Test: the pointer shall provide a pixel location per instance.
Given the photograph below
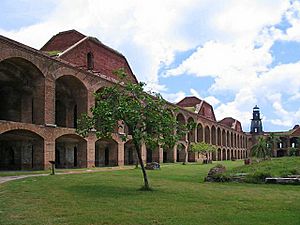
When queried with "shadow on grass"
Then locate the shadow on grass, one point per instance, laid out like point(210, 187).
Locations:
point(108, 191)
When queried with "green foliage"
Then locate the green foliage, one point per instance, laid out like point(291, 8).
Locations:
point(146, 114)
point(261, 149)
point(293, 151)
point(221, 177)
point(202, 147)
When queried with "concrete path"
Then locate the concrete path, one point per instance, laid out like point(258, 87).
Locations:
point(9, 178)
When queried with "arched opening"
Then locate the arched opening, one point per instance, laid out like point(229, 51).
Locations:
point(207, 135)
point(228, 139)
point(219, 154)
point(234, 141)
point(214, 156)
point(219, 136)
point(149, 154)
point(21, 150)
point(228, 154)
point(199, 133)
point(106, 152)
point(181, 122)
point(130, 156)
point(224, 154)
point(71, 101)
point(22, 91)
point(191, 134)
point(90, 61)
point(70, 152)
point(213, 135)
point(231, 140)
point(155, 154)
point(223, 138)
point(180, 153)
point(168, 155)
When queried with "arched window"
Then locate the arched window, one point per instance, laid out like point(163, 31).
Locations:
point(90, 61)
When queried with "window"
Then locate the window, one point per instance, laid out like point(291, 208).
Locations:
point(90, 61)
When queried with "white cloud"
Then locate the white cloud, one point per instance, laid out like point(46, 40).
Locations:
point(174, 97)
point(232, 40)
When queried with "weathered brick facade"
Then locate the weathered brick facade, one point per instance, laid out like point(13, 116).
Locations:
point(43, 92)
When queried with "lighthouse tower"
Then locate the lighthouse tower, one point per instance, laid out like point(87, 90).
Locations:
point(256, 123)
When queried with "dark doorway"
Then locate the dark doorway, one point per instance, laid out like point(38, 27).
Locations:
point(75, 157)
point(149, 155)
point(106, 162)
point(165, 157)
point(75, 116)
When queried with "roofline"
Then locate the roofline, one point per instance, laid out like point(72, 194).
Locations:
point(96, 41)
point(69, 65)
point(57, 60)
point(62, 32)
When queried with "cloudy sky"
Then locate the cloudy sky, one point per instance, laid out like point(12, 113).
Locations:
point(232, 53)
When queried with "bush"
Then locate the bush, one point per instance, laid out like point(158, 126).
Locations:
point(221, 177)
point(257, 177)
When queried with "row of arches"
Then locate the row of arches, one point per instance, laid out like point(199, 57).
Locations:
point(26, 150)
point(214, 135)
point(22, 86)
point(23, 95)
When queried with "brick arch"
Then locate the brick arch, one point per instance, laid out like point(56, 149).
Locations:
point(21, 149)
point(213, 132)
point(71, 100)
point(191, 134)
point(219, 136)
point(23, 129)
point(200, 136)
point(207, 134)
point(11, 126)
point(69, 72)
point(23, 96)
point(35, 61)
point(180, 118)
point(106, 152)
point(100, 83)
point(223, 138)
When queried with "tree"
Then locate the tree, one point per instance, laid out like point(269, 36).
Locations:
point(186, 129)
point(147, 116)
point(261, 149)
point(203, 148)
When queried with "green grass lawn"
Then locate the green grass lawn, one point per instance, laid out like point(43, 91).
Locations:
point(180, 197)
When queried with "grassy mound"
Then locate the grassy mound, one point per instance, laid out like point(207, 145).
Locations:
point(258, 171)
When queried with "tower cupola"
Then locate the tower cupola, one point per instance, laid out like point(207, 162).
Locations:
point(256, 123)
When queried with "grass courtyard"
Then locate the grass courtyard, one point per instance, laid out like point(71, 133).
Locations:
point(180, 197)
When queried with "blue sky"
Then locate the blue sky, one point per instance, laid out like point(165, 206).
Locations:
point(234, 54)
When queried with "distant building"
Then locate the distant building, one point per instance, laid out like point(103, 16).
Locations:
point(283, 143)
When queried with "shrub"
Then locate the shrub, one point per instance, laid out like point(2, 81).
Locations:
point(221, 177)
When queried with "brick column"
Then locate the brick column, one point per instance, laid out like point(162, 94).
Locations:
point(121, 150)
point(90, 151)
point(49, 153)
point(49, 101)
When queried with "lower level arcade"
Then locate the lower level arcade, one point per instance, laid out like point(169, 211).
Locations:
point(23, 149)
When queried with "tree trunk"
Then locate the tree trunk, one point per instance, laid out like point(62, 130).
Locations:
point(138, 151)
point(186, 155)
